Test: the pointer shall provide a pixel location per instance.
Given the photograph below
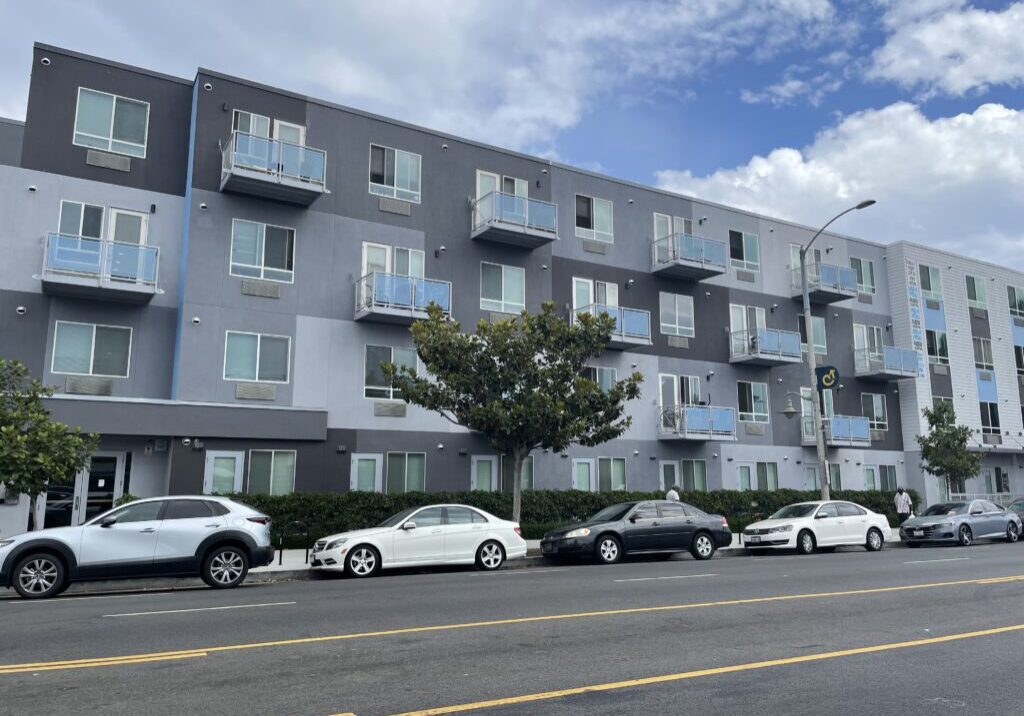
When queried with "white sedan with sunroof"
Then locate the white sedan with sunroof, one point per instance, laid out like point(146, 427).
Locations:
point(810, 526)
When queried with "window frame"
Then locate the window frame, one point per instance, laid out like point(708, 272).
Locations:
point(504, 303)
point(1018, 294)
point(680, 330)
point(236, 113)
point(273, 452)
point(263, 258)
point(865, 288)
point(259, 347)
point(884, 471)
point(745, 264)
point(989, 410)
point(874, 421)
point(933, 272)
point(597, 371)
point(693, 468)
point(104, 219)
point(938, 358)
point(611, 462)
point(985, 344)
point(754, 417)
point(113, 116)
point(394, 189)
point(592, 234)
point(405, 477)
point(391, 389)
point(980, 300)
point(821, 349)
point(92, 350)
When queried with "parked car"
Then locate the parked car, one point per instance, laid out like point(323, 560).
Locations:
point(212, 537)
point(1018, 507)
point(808, 526)
point(422, 536)
point(656, 526)
point(961, 522)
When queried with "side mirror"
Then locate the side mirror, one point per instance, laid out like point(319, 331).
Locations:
point(977, 512)
point(820, 516)
point(109, 522)
point(632, 519)
point(410, 525)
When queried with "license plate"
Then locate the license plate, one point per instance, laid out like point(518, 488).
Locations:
point(919, 533)
point(753, 539)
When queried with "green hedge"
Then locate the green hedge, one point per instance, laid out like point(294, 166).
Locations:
point(327, 513)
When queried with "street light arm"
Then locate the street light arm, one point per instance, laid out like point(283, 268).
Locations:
point(863, 205)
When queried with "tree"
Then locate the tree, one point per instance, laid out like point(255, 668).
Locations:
point(944, 450)
point(34, 449)
point(519, 382)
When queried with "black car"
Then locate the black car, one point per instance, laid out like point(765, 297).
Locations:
point(650, 527)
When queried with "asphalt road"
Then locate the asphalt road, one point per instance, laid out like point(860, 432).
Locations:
point(936, 630)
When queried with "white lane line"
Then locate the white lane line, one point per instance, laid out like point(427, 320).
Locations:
point(202, 609)
point(525, 570)
point(948, 559)
point(677, 576)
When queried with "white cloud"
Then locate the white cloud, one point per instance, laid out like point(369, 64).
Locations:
point(797, 84)
point(954, 182)
point(945, 47)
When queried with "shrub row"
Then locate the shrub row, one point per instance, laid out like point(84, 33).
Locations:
point(326, 513)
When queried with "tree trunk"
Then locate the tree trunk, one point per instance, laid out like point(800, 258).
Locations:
point(518, 456)
point(32, 500)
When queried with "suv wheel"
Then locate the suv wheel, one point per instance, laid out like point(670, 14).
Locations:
point(225, 567)
point(39, 576)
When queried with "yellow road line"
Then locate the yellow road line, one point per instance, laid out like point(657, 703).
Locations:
point(201, 651)
point(666, 678)
point(88, 664)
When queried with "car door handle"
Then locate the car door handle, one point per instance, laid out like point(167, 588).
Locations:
point(213, 525)
point(435, 532)
point(655, 524)
point(148, 530)
point(689, 522)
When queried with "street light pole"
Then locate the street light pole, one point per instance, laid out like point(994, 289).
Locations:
point(819, 426)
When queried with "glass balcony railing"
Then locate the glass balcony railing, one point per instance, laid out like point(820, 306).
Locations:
point(278, 160)
point(707, 422)
point(519, 212)
point(769, 343)
point(826, 277)
point(102, 260)
point(888, 360)
point(408, 293)
point(707, 253)
point(631, 324)
point(840, 430)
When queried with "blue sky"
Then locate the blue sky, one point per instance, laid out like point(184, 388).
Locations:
point(794, 108)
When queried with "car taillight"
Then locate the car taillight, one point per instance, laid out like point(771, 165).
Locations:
point(725, 523)
point(518, 530)
point(261, 520)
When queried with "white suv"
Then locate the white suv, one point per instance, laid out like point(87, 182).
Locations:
point(180, 536)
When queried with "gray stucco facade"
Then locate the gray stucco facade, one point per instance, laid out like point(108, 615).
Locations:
point(176, 392)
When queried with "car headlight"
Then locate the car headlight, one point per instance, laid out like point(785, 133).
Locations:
point(944, 524)
point(581, 532)
point(334, 544)
point(6, 543)
point(781, 528)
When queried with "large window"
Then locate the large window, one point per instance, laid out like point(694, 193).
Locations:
point(817, 334)
point(931, 282)
point(502, 288)
point(611, 474)
point(249, 123)
point(865, 269)
point(989, 418)
point(1016, 299)
point(262, 251)
point(665, 225)
point(938, 347)
point(939, 400)
point(90, 349)
point(594, 219)
point(78, 219)
point(759, 476)
point(271, 472)
point(976, 295)
point(676, 314)
point(405, 472)
point(111, 123)
point(983, 353)
point(873, 408)
point(525, 475)
point(604, 377)
point(394, 173)
point(1018, 354)
point(695, 476)
point(888, 477)
point(375, 383)
point(753, 401)
point(744, 251)
point(257, 357)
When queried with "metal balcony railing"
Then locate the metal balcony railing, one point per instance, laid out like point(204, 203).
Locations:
point(707, 253)
point(768, 343)
point(102, 260)
point(698, 422)
point(889, 360)
point(397, 292)
point(278, 160)
point(827, 278)
point(631, 324)
point(516, 212)
point(842, 430)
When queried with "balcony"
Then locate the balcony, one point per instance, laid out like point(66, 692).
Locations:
point(764, 346)
point(840, 431)
point(888, 364)
point(632, 325)
point(107, 270)
point(390, 298)
point(516, 220)
point(688, 257)
point(272, 169)
point(826, 283)
point(697, 422)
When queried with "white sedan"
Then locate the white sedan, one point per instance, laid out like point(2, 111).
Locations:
point(807, 526)
point(422, 536)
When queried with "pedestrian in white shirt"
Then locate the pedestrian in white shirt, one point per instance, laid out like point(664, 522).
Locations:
point(904, 505)
point(673, 494)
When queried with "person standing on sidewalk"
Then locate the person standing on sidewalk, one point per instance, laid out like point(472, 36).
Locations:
point(904, 505)
point(673, 494)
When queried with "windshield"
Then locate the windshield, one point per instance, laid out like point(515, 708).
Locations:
point(613, 513)
point(397, 519)
point(791, 511)
point(945, 508)
point(1017, 506)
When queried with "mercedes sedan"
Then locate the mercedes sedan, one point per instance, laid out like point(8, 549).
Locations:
point(809, 526)
point(654, 527)
point(961, 523)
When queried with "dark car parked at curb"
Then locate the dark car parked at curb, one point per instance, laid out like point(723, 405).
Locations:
point(649, 527)
point(962, 523)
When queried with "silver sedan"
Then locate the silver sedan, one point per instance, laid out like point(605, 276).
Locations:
point(961, 522)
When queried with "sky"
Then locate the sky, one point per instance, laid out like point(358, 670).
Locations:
point(792, 108)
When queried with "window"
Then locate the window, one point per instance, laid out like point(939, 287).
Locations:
point(931, 282)
point(873, 408)
point(187, 509)
point(829, 510)
point(604, 377)
point(989, 418)
point(676, 314)
point(484, 473)
point(938, 348)
point(502, 288)
point(888, 475)
point(429, 517)
point(665, 225)
point(646, 511)
point(394, 173)
point(249, 123)
point(611, 474)
point(525, 474)
point(257, 357)
point(695, 476)
point(938, 400)
point(870, 477)
point(78, 219)
point(744, 251)
point(139, 512)
point(405, 472)
point(90, 349)
point(1018, 354)
point(767, 476)
point(818, 334)
point(586, 292)
point(375, 383)
point(753, 401)
point(391, 259)
point(835, 476)
point(976, 296)
point(262, 251)
point(487, 182)
point(271, 472)
point(1016, 298)
point(865, 269)
point(594, 219)
point(866, 339)
point(464, 516)
point(983, 353)
point(111, 123)
point(848, 509)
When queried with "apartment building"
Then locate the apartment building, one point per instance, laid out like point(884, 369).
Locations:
point(210, 271)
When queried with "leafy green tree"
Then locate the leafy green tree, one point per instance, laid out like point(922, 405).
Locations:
point(34, 449)
point(944, 450)
point(519, 382)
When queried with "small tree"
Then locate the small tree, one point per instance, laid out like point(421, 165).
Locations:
point(944, 450)
point(34, 449)
point(518, 382)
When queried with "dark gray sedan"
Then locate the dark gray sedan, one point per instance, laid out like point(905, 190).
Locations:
point(962, 523)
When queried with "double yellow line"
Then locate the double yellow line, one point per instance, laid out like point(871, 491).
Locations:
point(131, 659)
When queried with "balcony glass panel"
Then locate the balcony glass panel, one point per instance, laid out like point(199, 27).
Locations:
point(276, 158)
point(107, 260)
point(532, 214)
point(387, 290)
point(694, 249)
